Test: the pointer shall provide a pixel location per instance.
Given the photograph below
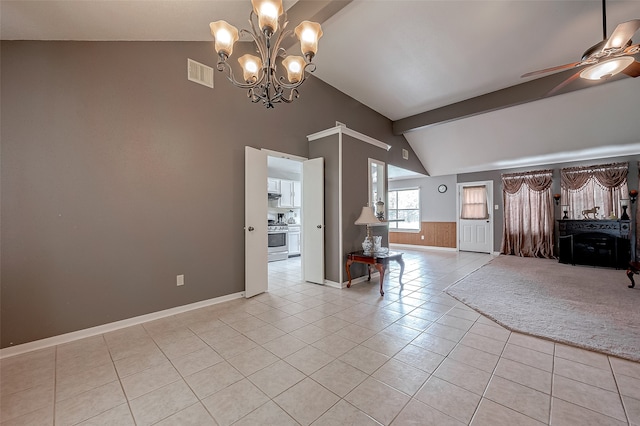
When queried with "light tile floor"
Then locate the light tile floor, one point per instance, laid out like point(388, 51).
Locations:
point(309, 354)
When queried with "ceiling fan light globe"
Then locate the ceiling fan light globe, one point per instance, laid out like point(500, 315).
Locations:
point(606, 69)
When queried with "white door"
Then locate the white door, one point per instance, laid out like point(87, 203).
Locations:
point(313, 220)
point(256, 272)
point(476, 234)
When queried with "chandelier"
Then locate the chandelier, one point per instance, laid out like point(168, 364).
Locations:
point(259, 74)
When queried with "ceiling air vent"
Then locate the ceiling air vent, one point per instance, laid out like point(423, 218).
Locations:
point(199, 73)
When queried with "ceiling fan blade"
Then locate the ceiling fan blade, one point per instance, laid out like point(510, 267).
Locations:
point(546, 70)
point(622, 34)
point(562, 85)
point(632, 70)
point(632, 50)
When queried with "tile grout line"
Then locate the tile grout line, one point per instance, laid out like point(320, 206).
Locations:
point(615, 379)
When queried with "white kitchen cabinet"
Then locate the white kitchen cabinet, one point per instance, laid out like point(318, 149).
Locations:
point(297, 194)
point(294, 240)
point(273, 185)
point(286, 191)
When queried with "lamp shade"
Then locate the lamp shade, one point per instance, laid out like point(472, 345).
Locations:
point(607, 68)
point(624, 202)
point(367, 217)
point(268, 12)
point(308, 33)
point(225, 35)
point(251, 66)
point(295, 68)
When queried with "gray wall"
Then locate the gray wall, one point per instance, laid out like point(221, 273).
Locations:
point(496, 177)
point(327, 148)
point(119, 174)
point(434, 206)
point(355, 195)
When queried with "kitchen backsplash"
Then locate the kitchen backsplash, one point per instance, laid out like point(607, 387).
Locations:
point(291, 216)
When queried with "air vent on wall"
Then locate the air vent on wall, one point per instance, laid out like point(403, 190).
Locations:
point(199, 73)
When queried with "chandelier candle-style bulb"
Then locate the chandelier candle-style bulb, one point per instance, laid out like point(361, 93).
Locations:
point(225, 35)
point(295, 67)
point(268, 12)
point(308, 33)
point(251, 66)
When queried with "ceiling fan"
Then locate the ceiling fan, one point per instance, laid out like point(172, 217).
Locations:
point(605, 59)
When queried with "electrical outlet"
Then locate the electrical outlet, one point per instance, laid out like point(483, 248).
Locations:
point(495, 207)
point(405, 154)
point(180, 280)
point(422, 237)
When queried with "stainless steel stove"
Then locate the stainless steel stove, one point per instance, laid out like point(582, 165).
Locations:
point(278, 237)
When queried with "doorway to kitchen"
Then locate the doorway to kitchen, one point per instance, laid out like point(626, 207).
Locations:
point(284, 215)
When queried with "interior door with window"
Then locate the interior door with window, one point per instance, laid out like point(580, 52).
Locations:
point(475, 216)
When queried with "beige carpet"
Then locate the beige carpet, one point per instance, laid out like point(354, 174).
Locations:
point(579, 305)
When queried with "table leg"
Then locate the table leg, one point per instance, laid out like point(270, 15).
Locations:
point(634, 268)
point(349, 262)
point(401, 263)
point(380, 268)
point(630, 276)
point(369, 270)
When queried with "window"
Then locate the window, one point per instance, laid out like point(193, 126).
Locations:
point(404, 205)
point(376, 182)
point(474, 203)
point(596, 189)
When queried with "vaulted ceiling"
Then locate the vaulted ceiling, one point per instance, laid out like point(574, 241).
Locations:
point(447, 73)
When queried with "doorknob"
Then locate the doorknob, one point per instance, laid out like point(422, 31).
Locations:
point(319, 226)
point(251, 228)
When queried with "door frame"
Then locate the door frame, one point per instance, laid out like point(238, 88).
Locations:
point(272, 153)
point(491, 207)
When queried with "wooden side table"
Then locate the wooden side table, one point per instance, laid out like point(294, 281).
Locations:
point(378, 260)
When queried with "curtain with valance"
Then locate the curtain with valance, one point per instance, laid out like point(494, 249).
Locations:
point(528, 214)
point(599, 187)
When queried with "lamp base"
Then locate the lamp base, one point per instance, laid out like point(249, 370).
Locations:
point(367, 244)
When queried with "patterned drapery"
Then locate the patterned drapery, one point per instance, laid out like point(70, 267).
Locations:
point(606, 175)
point(528, 214)
point(536, 181)
point(588, 187)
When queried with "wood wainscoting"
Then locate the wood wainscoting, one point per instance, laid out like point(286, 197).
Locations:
point(436, 234)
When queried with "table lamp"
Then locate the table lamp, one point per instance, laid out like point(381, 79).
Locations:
point(368, 218)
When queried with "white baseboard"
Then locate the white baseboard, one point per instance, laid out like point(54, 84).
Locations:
point(332, 284)
point(105, 328)
point(422, 248)
point(361, 279)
